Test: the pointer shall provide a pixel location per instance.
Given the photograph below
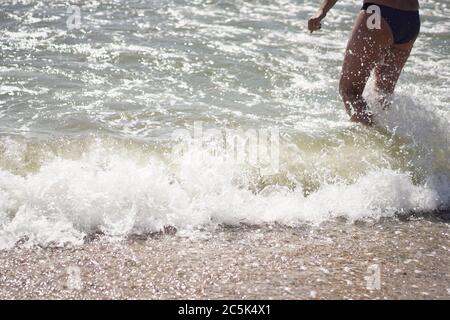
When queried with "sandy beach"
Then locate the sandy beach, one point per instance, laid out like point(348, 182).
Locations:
point(334, 261)
point(224, 123)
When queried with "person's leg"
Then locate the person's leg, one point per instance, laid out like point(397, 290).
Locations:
point(388, 71)
point(366, 47)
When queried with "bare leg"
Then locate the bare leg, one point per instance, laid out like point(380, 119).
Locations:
point(366, 47)
point(388, 71)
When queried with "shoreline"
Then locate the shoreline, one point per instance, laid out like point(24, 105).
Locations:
point(333, 261)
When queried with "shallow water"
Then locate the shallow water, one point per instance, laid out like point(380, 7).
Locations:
point(89, 115)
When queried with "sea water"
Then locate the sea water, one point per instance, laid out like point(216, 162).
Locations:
point(128, 117)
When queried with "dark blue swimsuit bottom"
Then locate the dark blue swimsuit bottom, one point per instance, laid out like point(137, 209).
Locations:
point(405, 25)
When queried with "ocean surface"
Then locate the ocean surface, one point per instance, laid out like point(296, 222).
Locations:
point(126, 118)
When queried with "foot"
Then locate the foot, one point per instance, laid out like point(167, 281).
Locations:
point(365, 118)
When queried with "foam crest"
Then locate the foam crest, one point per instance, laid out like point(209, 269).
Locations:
point(107, 191)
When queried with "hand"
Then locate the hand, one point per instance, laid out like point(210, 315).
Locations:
point(314, 22)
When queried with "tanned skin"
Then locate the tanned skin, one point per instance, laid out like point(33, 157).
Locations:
point(368, 49)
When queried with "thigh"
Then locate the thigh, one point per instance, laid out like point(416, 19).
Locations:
point(388, 71)
point(366, 47)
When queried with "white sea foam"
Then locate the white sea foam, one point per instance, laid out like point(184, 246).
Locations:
point(67, 199)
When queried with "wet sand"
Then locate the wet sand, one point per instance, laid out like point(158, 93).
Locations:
point(337, 260)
